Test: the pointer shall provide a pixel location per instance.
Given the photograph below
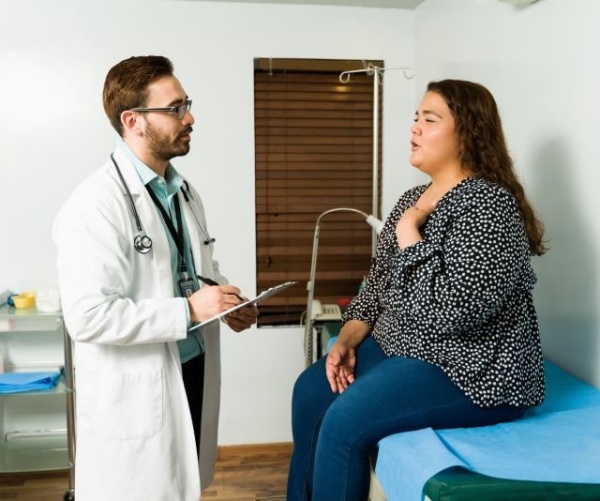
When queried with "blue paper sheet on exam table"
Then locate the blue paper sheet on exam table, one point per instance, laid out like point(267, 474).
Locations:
point(559, 441)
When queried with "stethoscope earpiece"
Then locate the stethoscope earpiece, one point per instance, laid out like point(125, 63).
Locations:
point(142, 243)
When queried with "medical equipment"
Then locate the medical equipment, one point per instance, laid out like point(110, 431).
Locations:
point(188, 195)
point(142, 242)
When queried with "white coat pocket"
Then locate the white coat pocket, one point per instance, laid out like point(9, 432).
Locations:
point(130, 406)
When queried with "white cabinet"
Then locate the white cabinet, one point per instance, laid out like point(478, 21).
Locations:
point(35, 426)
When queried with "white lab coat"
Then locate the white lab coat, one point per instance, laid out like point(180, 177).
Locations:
point(134, 434)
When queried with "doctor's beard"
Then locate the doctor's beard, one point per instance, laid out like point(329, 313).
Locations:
point(164, 146)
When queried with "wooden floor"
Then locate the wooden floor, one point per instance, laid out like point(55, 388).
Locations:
point(243, 473)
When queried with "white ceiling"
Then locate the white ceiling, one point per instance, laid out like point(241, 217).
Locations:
point(393, 4)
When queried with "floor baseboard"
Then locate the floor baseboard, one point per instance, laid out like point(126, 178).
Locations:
point(224, 451)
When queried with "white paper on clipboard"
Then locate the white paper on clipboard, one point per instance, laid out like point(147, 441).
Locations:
point(263, 295)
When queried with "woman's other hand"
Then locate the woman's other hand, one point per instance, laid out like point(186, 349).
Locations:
point(339, 366)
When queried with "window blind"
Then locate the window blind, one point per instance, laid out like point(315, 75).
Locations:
point(314, 152)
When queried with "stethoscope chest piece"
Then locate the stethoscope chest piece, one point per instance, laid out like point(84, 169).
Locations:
point(142, 244)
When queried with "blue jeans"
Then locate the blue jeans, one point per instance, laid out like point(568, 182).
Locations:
point(335, 434)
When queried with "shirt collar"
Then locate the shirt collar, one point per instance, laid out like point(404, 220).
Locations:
point(173, 180)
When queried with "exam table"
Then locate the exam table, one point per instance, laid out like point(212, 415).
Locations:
point(552, 453)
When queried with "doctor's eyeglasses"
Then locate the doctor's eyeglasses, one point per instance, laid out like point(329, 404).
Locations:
point(180, 109)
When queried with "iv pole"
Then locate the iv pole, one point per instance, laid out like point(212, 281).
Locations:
point(376, 71)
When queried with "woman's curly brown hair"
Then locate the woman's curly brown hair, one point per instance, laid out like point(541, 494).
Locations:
point(483, 148)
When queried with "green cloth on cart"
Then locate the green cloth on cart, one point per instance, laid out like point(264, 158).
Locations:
point(18, 382)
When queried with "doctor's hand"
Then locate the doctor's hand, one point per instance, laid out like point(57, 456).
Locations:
point(243, 318)
point(210, 301)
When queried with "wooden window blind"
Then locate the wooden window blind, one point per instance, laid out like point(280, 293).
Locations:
point(314, 152)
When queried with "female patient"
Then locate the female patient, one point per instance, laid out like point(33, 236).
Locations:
point(445, 333)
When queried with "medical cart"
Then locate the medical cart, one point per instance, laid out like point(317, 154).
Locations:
point(37, 432)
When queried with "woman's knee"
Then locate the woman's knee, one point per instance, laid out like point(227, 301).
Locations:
point(311, 395)
point(343, 427)
point(299, 393)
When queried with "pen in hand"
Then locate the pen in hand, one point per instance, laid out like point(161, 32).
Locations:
point(207, 281)
point(210, 281)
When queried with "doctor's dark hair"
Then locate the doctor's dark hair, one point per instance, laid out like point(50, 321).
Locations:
point(482, 146)
point(126, 85)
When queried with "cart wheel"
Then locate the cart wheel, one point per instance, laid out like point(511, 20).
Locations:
point(69, 496)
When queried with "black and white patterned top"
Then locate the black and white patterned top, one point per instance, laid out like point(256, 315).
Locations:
point(462, 297)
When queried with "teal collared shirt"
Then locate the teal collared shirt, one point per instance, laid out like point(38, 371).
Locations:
point(165, 190)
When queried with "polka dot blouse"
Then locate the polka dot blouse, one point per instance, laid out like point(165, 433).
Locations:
point(462, 297)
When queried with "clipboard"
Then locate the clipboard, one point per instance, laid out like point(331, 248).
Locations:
point(276, 289)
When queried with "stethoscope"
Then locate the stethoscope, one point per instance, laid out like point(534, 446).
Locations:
point(142, 242)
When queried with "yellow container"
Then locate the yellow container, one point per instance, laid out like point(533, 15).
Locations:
point(24, 300)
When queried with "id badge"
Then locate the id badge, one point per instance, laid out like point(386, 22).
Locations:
point(187, 286)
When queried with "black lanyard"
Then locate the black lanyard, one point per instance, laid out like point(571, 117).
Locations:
point(177, 234)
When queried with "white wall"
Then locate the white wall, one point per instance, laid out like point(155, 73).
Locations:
point(53, 132)
point(541, 62)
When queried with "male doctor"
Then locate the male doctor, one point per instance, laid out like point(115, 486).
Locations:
point(134, 258)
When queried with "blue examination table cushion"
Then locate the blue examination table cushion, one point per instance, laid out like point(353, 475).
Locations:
point(559, 441)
